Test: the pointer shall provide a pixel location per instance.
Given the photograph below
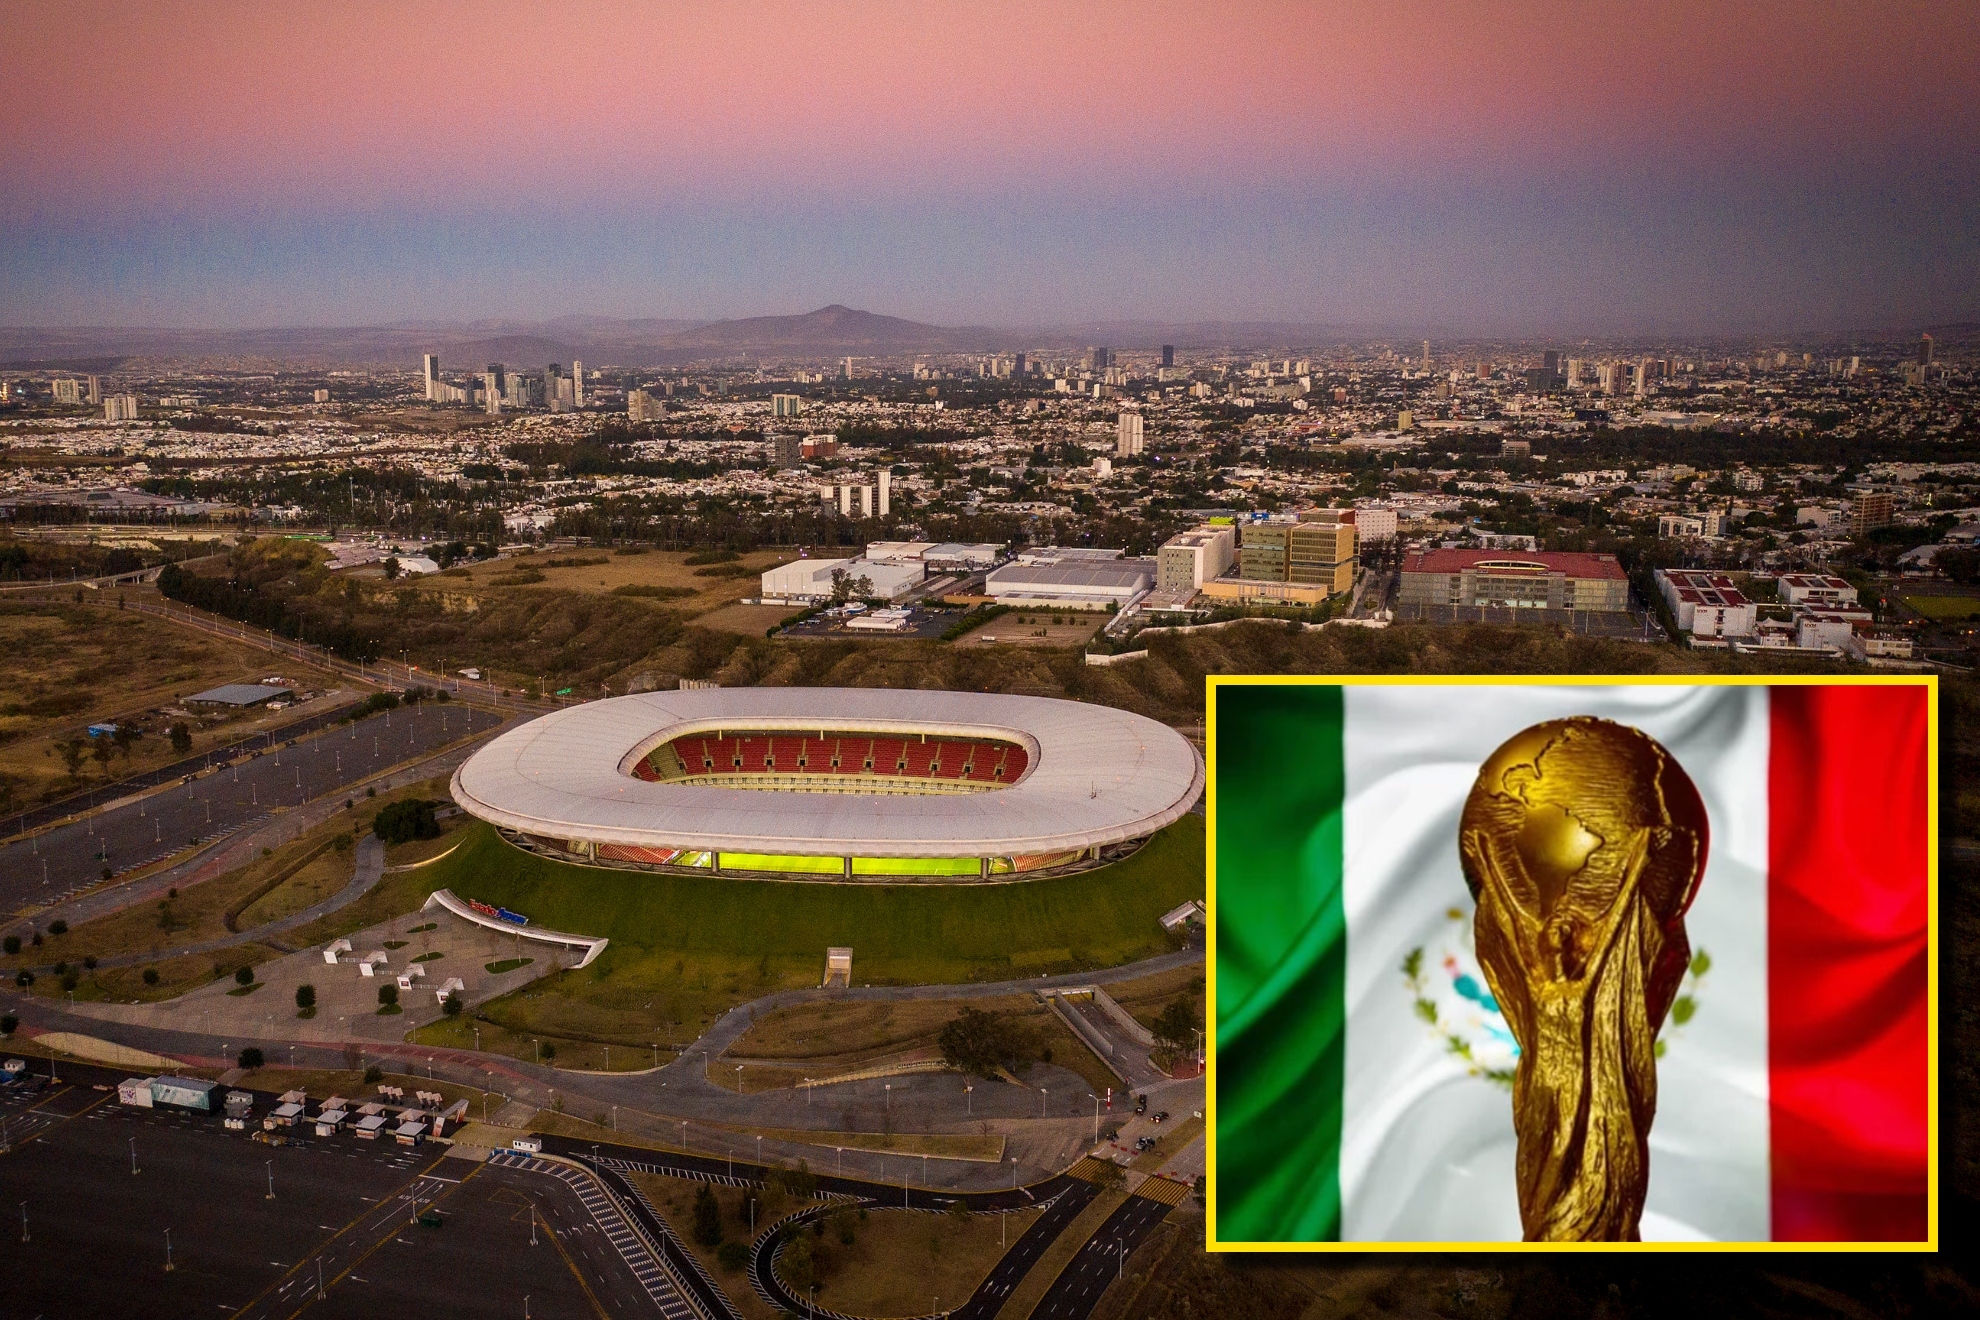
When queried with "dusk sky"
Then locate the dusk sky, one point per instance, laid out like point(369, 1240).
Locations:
point(1461, 168)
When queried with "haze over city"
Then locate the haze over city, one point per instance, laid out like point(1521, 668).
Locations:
point(1421, 168)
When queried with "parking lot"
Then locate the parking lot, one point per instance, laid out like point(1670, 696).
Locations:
point(921, 624)
point(344, 1212)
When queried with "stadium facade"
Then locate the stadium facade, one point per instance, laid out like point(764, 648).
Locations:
point(834, 784)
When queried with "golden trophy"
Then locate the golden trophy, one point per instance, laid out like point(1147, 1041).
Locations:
point(1583, 842)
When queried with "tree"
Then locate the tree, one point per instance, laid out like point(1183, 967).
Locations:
point(8, 1022)
point(58, 927)
point(391, 567)
point(388, 995)
point(846, 587)
point(796, 1266)
point(73, 752)
point(402, 822)
point(250, 1057)
point(12, 945)
point(151, 976)
point(978, 1042)
point(244, 976)
point(181, 738)
point(451, 1005)
point(305, 996)
point(1176, 1025)
point(707, 1218)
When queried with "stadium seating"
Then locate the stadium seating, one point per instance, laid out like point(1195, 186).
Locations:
point(964, 759)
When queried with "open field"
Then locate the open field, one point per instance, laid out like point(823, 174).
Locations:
point(601, 571)
point(686, 948)
point(1071, 628)
point(1945, 609)
point(65, 666)
point(907, 1263)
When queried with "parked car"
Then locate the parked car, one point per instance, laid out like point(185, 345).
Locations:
point(1141, 1104)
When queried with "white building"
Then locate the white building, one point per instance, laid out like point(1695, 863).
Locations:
point(1374, 523)
point(429, 367)
point(1707, 604)
point(1815, 589)
point(1189, 559)
point(812, 579)
point(1094, 580)
point(120, 408)
point(1128, 441)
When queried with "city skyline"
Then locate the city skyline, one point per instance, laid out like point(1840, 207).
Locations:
point(1690, 169)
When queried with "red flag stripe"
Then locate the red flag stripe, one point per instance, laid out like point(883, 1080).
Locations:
point(1846, 962)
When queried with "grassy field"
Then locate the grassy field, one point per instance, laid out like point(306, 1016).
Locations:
point(1945, 609)
point(903, 1263)
point(685, 949)
point(577, 571)
point(64, 666)
point(674, 1198)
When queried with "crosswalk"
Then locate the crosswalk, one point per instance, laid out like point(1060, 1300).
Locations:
point(631, 1246)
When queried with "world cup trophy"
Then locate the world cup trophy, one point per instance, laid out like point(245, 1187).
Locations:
point(1583, 842)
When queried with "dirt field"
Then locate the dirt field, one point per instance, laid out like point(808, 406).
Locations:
point(598, 572)
point(64, 666)
point(750, 620)
point(1038, 628)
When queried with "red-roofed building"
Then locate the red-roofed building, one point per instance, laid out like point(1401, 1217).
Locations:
point(1708, 604)
point(1516, 579)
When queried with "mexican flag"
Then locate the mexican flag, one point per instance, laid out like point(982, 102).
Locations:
point(1361, 1075)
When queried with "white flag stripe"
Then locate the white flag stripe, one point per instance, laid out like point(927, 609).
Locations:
point(1427, 1148)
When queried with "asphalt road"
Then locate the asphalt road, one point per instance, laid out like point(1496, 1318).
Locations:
point(70, 858)
point(96, 1231)
point(1079, 1287)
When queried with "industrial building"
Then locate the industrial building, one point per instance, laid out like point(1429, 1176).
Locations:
point(1532, 580)
point(241, 695)
point(1189, 559)
point(1072, 579)
point(812, 579)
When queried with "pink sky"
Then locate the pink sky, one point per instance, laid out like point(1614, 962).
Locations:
point(274, 103)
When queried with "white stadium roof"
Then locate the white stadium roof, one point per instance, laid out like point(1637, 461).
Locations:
point(1095, 776)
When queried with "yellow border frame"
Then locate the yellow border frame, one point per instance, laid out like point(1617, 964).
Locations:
point(1930, 682)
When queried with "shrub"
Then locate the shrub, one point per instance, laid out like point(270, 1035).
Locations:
point(388, 995)
point(402, 822)
point(151, 976)
point(181, 738)
point(89, 962)
point(305, 996)
point(451, 1005)
point(24, 978)
point(245, 976)
point(70, 980)
point(732, 1255)
point(373, 1075)
point(12, 945)
point(8, 1022)
point(250, 1057)
point(61, 968)
point(549, 1051)
point(58, 927)
point(707, 1218)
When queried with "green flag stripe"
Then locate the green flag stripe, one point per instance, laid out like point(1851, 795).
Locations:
point(1281, 962)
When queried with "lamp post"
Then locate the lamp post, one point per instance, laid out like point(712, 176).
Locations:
point(969, 1101)
point(134, 1166)
point(168, 1251)
point(271, 1180)
point(1041, 1102)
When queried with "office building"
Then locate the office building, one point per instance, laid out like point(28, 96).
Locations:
point(1099, 359)
point(429, 368)
point(786, 405)
point(1924, 350)
point(1018, 366)
point(1532, 580)
point(1311, 552)
point(1189, 559)
point(1128, 441)
point(1374, 524)
point(1869, 511)
point(1168, 355)
point(1426, 355)
point(320, 396)
point(1551, 362)
point(491, 390)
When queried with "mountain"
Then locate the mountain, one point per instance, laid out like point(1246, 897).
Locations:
point(838, 330)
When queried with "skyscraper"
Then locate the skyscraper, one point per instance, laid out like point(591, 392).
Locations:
point(577, 383)
point(550, 376)
point(1552, 362)
point(1017, 369)
point(1924, 350)
point(95, 390)
point(491, 389)
point(1426, 355)
point(1168, 355)
point(1099, 359)
point(429, 365)
point(1128, 440)
point(886, 491)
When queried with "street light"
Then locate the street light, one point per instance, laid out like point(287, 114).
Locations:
point(134, 1167)
point(1041, 1102)
point(969, 1101)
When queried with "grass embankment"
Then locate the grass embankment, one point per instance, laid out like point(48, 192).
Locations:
point(281, 881)
point(903, 1263)
point(827, 1039)
point(686, 948)
point(674, 1198)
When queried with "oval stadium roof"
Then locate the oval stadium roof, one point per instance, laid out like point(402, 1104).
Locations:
point(1097, 776)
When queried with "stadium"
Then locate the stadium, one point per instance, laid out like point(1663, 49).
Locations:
point(834, 784)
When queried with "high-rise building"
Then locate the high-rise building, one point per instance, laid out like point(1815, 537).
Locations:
point(1187, 560)
point(786, 449)
point(67, 389)
point(786, 405)
point(1018, 366)
point(1127, 440)
point(1168, 355)
point(1426, 355)
point(321, 396)
point(1551, 362)
point(120, 408)
point(429, 367)
point(1869, 511)
point(1320, 550)
point(95, 390)
point(1924, 350)
point(886, 491)
point(491, 389)
point(577, 383)
point(1099, 359)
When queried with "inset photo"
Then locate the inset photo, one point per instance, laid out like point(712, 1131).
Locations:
point(1572, 963)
